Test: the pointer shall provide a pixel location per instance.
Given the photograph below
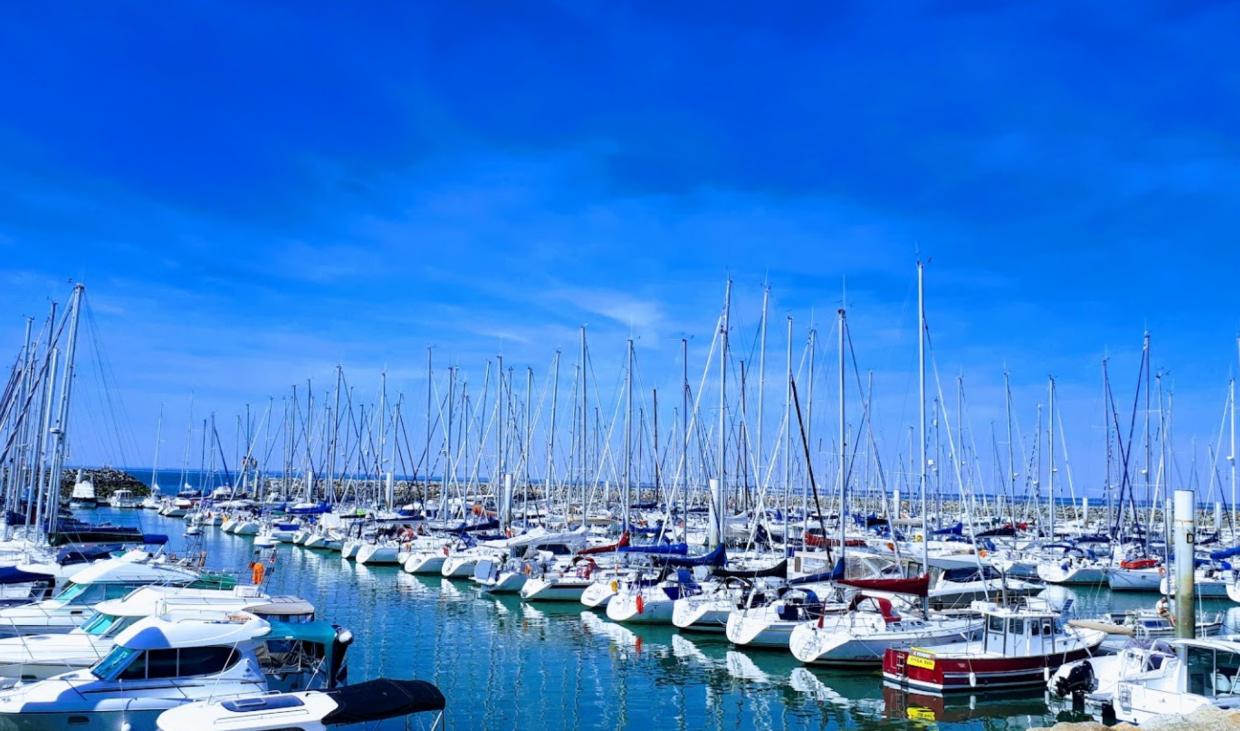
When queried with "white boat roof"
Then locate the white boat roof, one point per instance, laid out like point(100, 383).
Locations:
point(284, 710)
point(132, 568)
point(1227, 644)
point(149, 600)
point(159, 633)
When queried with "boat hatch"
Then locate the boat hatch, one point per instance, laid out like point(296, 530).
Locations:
point(262, 703)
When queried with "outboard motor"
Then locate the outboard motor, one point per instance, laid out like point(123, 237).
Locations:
point(1079, 681)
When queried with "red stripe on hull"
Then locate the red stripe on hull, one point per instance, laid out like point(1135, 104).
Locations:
point(950, 674)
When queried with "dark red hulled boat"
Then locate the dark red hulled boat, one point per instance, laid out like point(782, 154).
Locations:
point(1020, 647)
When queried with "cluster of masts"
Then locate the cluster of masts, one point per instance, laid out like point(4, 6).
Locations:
point(566, 439)
point(34, 416)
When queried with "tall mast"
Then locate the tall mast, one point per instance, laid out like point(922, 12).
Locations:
point(430, 406)
point(1011, 476)
point(654, 413)
point(1231, 399)
point(628, 435)
point(1050, 451)
point(721, 496)
point(684, 413)
point(527, 448)
point(555, 398)
point(501, 412)
point(843, 438)
point(787, 431)
point(159, 426)
point(766, 295)
point(66, 389)
point(585, 419)
point(921, 410)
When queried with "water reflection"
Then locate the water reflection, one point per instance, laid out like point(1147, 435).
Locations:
point(504, 663)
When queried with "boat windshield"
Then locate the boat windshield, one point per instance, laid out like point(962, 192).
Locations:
point(114, 663)
point(99, 624)
point(72, 592)
point(1213, 673)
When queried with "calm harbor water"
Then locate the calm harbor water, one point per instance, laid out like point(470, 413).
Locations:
point(503, 664)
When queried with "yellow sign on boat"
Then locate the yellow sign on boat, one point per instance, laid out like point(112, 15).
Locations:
point(916, 713)
point(921, 659)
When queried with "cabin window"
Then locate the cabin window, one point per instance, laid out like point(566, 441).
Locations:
point(1200, 663)
point(995, 624)
point(1226, 673)
point(1048, 627)
point(161, 664)
point(115, 660)
point(1035, 629)
point(135, 670)
point(116, 591)
point(207, 660)
point(81, 594)
point(1016, 626)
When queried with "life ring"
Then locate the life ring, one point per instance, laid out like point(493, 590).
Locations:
point(982, 553)
point(446, 550)
point(1162, 570)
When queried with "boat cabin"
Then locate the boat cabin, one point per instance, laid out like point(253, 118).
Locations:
point(1021, 632)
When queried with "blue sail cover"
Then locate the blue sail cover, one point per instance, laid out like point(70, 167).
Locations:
point(837, 573)
point(14, 575)
point(309, 509)
point(717, 557)
point(1223, 553)
point(955, 530)
point(665, 549)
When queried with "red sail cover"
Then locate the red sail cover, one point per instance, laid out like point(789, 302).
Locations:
point(610, 548)
point(917, 586)
point(813, 539)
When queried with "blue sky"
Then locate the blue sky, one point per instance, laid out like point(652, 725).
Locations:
point(254, 193)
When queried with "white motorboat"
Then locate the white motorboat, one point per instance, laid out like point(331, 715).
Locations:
point(156, 664)
point(34, 657)
point(364, 704)
point(109, 579)
point(123, 499)
point(1172, 678)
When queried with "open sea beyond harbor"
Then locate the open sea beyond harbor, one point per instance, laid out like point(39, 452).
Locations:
point(505, 664)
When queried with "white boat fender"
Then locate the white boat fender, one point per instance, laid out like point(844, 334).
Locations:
point(972, 679)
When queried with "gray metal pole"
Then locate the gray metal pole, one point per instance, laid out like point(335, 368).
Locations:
point(1185, 598)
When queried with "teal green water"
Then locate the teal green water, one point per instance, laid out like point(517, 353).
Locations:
point(503, 664)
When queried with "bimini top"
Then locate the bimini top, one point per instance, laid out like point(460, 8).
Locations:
point(158, 633)
point(375, 700)
point(149, 600)
point(131, 568)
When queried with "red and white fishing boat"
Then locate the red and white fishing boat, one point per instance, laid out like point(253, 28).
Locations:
point(1021, 646)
